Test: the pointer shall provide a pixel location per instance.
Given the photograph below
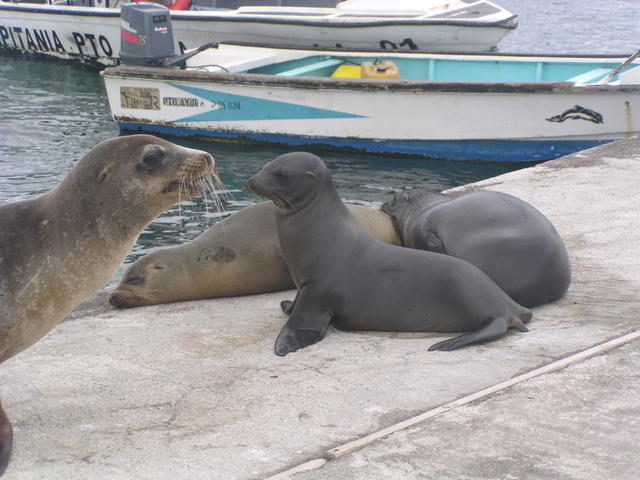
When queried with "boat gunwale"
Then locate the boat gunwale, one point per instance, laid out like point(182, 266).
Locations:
point(203, 15)
point(253, 79)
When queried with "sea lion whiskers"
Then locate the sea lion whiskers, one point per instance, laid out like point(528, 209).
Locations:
point(193, 183)
point(153, 296)
point(209, 191)
point(213, 193)
point(219, 187)
point(221, 210)
point(283, 201)
point(288, 201)
point(122, 298)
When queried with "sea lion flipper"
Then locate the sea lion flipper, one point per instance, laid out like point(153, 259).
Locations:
point(307, 324)
point(492, 329)
point(425, 237)
point(287, 305)
point(6, 440)
point(292, 339)
point(434, 244)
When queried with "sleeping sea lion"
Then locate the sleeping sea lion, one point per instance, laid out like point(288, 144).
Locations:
point(505, 237)
point(238, 256)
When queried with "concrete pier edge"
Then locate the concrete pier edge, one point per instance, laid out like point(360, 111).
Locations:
point(361, 442)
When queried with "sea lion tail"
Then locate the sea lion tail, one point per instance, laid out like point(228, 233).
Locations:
point(492, 329)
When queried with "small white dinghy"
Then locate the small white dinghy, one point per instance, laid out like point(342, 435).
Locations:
point(481, 107)
point(89, 30)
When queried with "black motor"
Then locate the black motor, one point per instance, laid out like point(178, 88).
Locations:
point(146, 37)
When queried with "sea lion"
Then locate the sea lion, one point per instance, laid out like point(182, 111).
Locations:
point(505, 237)
point(58, 248)
point(347, 277)
point(238, 256)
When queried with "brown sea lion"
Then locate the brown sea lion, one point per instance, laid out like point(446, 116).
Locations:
point(238, 256)
point(58, 248)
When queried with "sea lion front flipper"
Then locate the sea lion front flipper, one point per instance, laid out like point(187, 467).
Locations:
point(434, 243)
point(307, 324)
point(429, 240)
point(287, 305)
point(6, 440)
point(491, 330)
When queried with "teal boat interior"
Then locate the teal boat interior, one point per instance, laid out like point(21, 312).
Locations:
point(579, 71)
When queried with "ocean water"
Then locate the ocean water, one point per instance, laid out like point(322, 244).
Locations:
point(52, 113)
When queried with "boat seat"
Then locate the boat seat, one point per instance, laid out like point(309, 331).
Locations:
point(590, 76)
point(311, 68)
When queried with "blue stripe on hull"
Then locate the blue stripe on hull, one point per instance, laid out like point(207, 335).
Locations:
point(462, 150)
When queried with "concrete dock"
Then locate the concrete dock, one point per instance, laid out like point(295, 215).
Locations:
point(193, 390)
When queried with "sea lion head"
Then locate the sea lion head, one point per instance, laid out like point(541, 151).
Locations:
point(291, 180)
point(142, 170)
point(406, 203)
point(137, 286)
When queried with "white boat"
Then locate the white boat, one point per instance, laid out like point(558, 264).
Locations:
point(92, 33)
point(462, 107)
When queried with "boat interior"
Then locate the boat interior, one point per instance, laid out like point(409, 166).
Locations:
point(512, 69)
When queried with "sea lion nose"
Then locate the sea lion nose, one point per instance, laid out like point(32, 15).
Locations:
point(208, 159)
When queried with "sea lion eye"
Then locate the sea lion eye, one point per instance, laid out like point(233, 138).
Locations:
point(135, 280)
point(281, 176)
point(151, 158)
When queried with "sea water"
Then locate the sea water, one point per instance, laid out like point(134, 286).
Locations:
point(51, 113)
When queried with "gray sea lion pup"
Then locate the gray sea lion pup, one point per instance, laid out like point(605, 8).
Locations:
point(505, 237)
point(58, 248)
point(347, 277)
point(238, 256)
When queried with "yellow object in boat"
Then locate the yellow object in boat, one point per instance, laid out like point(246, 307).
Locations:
point(380, 70)
point(347, 71)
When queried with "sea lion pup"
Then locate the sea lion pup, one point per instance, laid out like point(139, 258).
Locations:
point(58, 248)
point(347, 277)
point(505, 237)
point(238, 256)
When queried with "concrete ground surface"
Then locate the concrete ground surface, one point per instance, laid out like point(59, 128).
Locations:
point(193, 390)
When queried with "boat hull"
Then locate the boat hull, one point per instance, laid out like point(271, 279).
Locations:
point(92, 35)
point(461, 121)
point(503, 151)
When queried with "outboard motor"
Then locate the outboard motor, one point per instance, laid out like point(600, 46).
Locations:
point(146, 36)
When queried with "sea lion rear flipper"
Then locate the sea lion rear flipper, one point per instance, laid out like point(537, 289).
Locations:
point(6, 440)
point(491, 330)
point(307, 324)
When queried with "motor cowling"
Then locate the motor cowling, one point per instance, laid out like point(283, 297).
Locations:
point(146, 36)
